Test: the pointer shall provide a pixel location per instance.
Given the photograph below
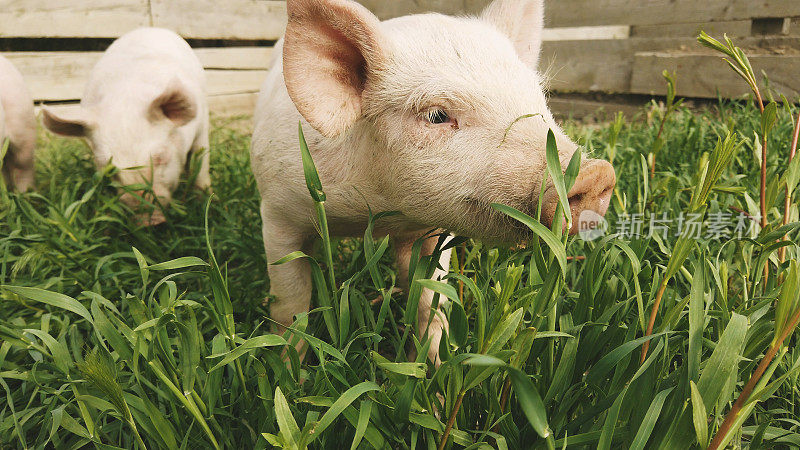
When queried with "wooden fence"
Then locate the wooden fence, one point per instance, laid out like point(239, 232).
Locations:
point(232, 38)
point(591, 46)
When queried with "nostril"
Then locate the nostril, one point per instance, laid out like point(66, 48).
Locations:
point(576, 199)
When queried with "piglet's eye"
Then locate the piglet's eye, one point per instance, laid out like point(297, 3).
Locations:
point(437, 116)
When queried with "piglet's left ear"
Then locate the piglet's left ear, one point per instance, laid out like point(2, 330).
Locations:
point(175, 104)
point(330, 49)
point(523, 22)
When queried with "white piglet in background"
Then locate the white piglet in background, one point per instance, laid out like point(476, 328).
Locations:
point(418, 115)
point(144, 110)
point(18, 125)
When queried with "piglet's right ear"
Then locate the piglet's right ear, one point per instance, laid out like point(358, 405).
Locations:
point(72, 123)
point(330, 48)
point(522, 21)
point(174, 104)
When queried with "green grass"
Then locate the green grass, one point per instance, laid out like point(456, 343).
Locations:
point(105, 346)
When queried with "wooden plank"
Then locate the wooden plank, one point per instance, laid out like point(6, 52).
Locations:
point(229, 19)
point(608, 66)
point(220, 105)
point(708, 74)
point(771, 26)
point(575, 13)
point(733, 28)
point(196, 19)
point(70, 18)
point(239, 58)
point(233, 105)
point(54, 76)
point(581, 108)
point(61, 76)
point(586, 33)
point(265, 19)
point(794, 26)
point(589, 66)
point(227, 82)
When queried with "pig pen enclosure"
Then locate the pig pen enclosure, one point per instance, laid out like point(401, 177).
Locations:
point(673, 329)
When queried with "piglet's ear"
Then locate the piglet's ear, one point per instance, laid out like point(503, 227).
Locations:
point(330, 48)
point(175, 104)
point(523, 22)
point(72, 122)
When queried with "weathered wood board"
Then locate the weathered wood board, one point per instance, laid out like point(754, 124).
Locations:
point(734, 28)
point(233, 104)
point(235, 58)
point(229, 105)
point(192, 19)
point(223, 82)
point(575, 13)
point(61, 76)
point(229, 19)
point(569, 107)
point(597, 66)
point(586, 33)
point(54, 76)
point(703, 75)
point(71, 18)
point(608, 65)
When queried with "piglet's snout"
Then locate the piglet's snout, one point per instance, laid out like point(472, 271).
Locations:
point(590, 193)
point(145, 216)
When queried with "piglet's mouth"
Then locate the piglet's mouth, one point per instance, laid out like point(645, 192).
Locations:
point(153, 219)
point(493, 226)
point(147, 214)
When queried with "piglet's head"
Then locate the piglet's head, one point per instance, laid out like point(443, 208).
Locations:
point(450, 113)
point(139, 132)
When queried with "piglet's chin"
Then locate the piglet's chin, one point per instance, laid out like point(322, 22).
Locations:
point(145, 214)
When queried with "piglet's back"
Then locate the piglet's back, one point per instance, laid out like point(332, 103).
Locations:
point(146, 56)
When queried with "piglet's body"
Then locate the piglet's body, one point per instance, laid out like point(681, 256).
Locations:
point(18, 125)
point(431, 116)
point(145, 110)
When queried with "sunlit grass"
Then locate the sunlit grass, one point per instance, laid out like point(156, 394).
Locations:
point(117, 336)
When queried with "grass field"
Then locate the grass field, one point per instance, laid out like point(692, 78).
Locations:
point(115, 336)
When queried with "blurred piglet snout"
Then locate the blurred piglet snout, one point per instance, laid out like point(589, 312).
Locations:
point(148, 213)
point(592, 190)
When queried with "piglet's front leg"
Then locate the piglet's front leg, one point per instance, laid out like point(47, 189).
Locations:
point(431, 323)
point(290, 283)
point(202, 147)
point(18, 168)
